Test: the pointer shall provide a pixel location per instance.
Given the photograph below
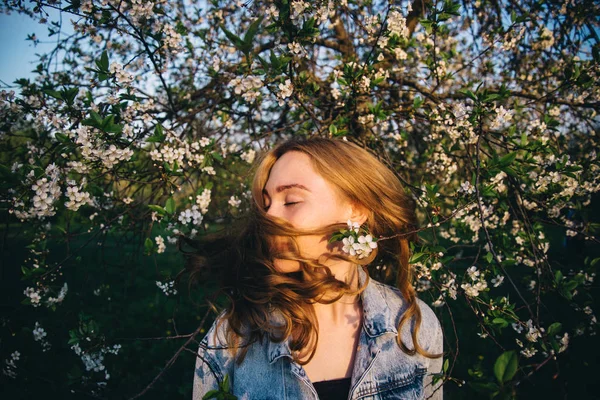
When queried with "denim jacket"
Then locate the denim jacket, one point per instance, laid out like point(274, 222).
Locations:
point(381, 369)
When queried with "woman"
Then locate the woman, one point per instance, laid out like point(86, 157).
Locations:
point(305, 320)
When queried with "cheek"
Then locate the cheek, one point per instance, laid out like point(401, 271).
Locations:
point(312, 246)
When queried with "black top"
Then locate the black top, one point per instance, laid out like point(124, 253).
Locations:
point(336, 389)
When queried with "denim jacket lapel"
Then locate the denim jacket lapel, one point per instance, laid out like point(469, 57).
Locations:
point(377, 320)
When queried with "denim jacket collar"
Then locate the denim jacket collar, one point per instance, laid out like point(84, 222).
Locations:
point(377, 317)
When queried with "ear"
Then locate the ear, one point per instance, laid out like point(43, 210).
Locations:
point(357, 213)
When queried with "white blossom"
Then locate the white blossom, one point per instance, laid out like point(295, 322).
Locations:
point(160, 242)
point(234, 202)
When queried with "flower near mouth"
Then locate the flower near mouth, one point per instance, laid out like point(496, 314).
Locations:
point(349, 245)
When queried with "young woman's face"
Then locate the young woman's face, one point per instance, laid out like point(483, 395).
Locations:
point(299, 195)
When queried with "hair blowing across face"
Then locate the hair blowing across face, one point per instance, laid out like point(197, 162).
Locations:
point(255, 287)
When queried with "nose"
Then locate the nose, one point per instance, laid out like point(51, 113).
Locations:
point(274, 211)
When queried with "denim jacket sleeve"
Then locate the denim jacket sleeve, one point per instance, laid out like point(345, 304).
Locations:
point(210, 369)
point(205, 378)
point(432, 324)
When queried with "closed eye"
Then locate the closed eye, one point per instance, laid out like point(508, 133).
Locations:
point(285, 204)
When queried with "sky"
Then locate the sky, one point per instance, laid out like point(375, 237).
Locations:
point(17, 55)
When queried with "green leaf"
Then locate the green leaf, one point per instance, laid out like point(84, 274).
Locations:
point(235, 40)
point(417, 257)
point(333, 129)
point(102, 64)
point(217, 156)
point(558, 276)
point(506, 366)
point(148, 245)
point(469, 94)
point(507, 159)
point(491, 97)
point(53, 93)
point(62, 137)
point(418, 102)
point(225, 384)
point(158, 209)
point(554, 329)
point(211, 394)
point(501, 322)
point(170, 205)
point(158, 136)
point(489, 257)
point(250, 34)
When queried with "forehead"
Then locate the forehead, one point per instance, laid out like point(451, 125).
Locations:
point(295, 167)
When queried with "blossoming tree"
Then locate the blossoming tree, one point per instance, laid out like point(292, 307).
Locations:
point(145, 130)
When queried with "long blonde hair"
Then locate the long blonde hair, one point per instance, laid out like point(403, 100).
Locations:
point(254, 285)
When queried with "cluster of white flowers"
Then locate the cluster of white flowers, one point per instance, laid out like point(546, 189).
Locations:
point(216, 63)
point(397, 24)
point(366, 119)
point(361, 246)
point(272, 12)
point(184, 154)
point(248, 87)
point(285, 90)
point(191, 215)
point(448, 288)
point(564, 342)
point(498, 181)
point(203, 200)
point(529, 352)
point(172, 39)
point(512, 37)
point(34, 296)
point(10, 366)
point(546, 39)
point(160, 242)
point(297, 49)
point(502, 117)
point(227, 148)
point(167, 288)
point(234, 201)
point(248, 156)
point(93, 150)
point(466, 188)
point(365, 84)
point(497, 281)
point(94, 361)
point(209, 170)
point(533, 333)
point(121, 75)
point(455, 123)
point(478, 282)
point(39, 335)
point(77, 198)
point(61, 296)
point(298, 7)
point(78, 166)
point(47, 191)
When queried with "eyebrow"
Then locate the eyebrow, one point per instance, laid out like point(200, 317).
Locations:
point(283, 188)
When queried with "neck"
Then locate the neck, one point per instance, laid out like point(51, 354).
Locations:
point(337, 313)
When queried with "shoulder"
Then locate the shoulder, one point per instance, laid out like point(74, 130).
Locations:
point(430, 330)
point(216, 337)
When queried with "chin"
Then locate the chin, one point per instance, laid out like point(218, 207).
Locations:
point(286, 266)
